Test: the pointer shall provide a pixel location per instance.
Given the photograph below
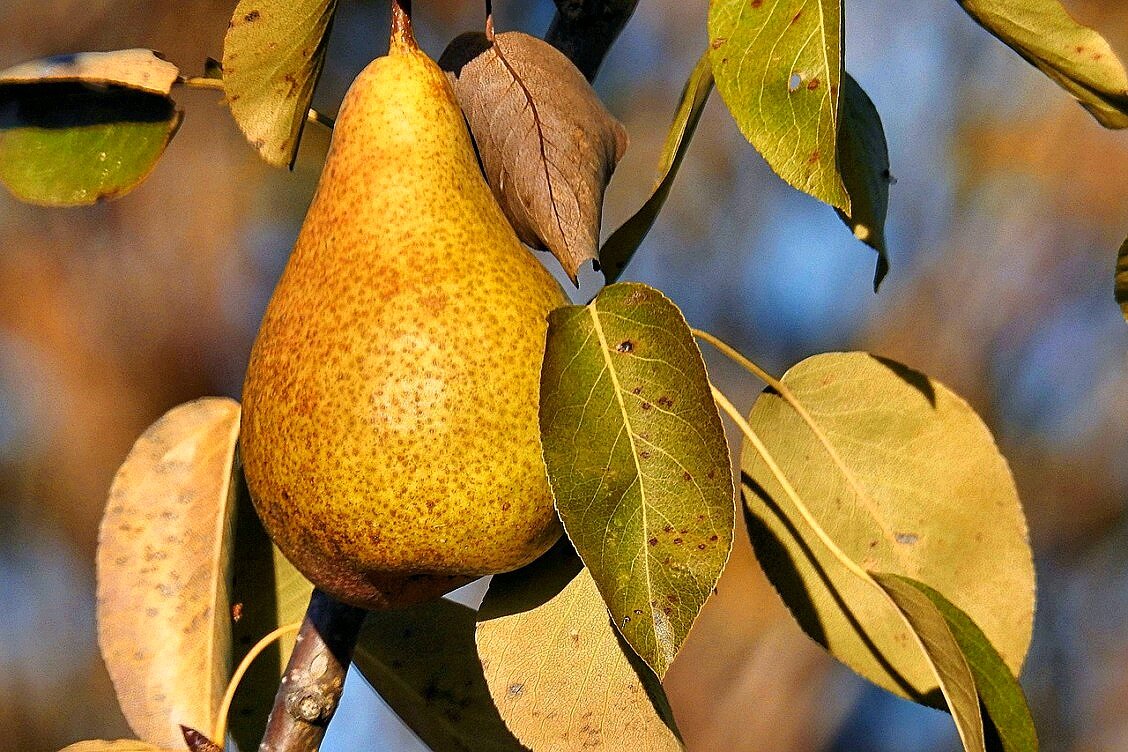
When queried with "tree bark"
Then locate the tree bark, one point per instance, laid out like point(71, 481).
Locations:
point(311, 688)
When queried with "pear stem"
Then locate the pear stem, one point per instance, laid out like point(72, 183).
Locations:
point(403, 35)
point(311, 688)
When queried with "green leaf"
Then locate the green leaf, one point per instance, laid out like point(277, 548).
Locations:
point(778, 67)
point(905, 479)
point(943, 652)
point(1075, 57)
point(267, 592)
point(423, 663)
point(1121, 283)
point(863, 157)
point(76, 129)
point(616, 253)
point(559, 673)
point(163, 571)
point(638, 462)
point(272, 58)
point(998, 689)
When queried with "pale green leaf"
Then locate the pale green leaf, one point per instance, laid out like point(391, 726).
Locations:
point(422, 661)
point(998, 689)
point(617, 251)
point(925, 494)
point(76, 129)
point(863, 157)
point(558, 671)
point(778, 67)
point(943, 652)
point(1121, 282)
point(163, 571)
point(1075, 57)
point(638, 462)
point(267, 592)
point(272, 58)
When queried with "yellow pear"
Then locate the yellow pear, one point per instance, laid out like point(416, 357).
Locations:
point(389, 432)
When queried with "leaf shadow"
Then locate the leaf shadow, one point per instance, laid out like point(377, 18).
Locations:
point(533, 585)
point(784, 575)
point(59, 105)
point(913, 378)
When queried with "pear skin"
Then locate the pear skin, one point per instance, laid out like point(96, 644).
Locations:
point(389, 432)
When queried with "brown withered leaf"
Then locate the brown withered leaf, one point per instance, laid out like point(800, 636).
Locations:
point(163, 571)
point(547, 144)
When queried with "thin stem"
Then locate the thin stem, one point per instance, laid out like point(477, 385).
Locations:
point(793, 401)
point(403, 36)
point(254, 652)
point(727, 406)
point(310, 690)
point(201, 82)
point(321, 118)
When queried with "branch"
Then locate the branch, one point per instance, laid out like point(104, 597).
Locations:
point(584, 30)
point(311, 687)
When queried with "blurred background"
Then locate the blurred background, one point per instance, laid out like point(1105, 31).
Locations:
point(1009, 206)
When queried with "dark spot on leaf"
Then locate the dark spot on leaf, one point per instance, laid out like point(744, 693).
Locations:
point(795, 18)
point(638, 612)
point(644, 454)
point(505, 506)
point(668, 529)
point(677, 541)
point(646, 405)
point(687, 476)
point(814, 158)
point(625, 346)
point(653, 541)
point(812, 84)
point(515, 690)
point(637, 390)
point(713, 538)
point(1079, 48)
point(907, 539)
point(700, 546)
point(665, 401)
point(253, 16)
point(667, 610)
point(718, 43)
point(757, 3)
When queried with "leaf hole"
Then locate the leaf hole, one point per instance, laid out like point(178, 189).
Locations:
point(794, 83)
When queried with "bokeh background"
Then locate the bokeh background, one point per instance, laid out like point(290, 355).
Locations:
point(1009, 205)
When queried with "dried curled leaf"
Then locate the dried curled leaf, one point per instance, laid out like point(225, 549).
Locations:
point(137, 69)
point(547, 144)
point(163, 572)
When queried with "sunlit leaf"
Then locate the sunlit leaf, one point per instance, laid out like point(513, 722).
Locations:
point(272, 58)
point(863, 157)
point(163, 571)
point(136, 69)
point(925, 494)
point(943, 652)
point(1075, 57)
point(998, 689)
point(422, 661)
point(121, 745)
point(622, 244)
point(778, 67)
point(638, 462)
point(560, 674)
point(76, 129)
point(1121, 284)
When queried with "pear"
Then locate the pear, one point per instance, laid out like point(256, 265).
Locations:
point(389, 431)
